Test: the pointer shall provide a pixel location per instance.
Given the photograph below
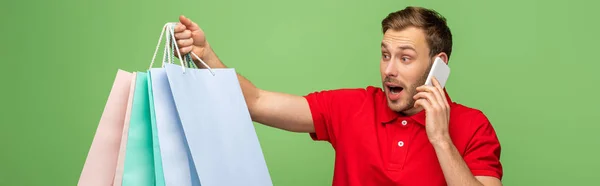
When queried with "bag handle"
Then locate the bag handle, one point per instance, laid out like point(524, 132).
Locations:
point(166, 47)
point(170, 37)
point(167, 52)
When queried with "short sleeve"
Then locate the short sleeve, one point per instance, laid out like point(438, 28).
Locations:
point(483, 151)
point(328, 108)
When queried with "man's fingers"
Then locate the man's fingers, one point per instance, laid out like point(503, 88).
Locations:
point(437, 97)
point(441, 94)
point(185, 42)
point(423, 103)
point(193, 26)
point(432, 99)
point(425, 95)
point(188, 23)
point(186, 34)
point(185, 50)
point(184, 20)
point(179, 28)
point(425, 88)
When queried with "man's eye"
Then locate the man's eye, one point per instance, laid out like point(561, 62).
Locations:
point(385, 56)
point(405, 59)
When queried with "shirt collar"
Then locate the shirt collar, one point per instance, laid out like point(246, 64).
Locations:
point(387, 115)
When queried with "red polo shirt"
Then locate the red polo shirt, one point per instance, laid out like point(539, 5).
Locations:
point(376, 146)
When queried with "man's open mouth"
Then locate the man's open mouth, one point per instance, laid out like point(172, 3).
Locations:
point(395, 89)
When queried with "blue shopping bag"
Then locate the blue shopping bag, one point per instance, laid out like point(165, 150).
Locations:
point(217, 125)
point(173, 154)
point(170, 155)
point(158, 168)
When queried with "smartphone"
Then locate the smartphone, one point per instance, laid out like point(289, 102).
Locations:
point(440, 71)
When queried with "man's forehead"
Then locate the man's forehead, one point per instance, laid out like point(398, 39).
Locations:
point(409, 36)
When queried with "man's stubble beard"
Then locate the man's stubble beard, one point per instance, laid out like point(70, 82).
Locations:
point(412, 90)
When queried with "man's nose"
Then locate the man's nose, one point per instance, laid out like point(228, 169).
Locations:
point(391, 69)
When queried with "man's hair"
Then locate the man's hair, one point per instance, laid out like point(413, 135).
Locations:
point(437, 33)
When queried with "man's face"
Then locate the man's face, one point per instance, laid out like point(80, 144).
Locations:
point(405, 63)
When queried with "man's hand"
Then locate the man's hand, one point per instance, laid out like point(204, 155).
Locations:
point(191, 38)
point(437, 112)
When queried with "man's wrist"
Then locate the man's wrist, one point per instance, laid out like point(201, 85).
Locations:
point(210, 58)
point(441, 141)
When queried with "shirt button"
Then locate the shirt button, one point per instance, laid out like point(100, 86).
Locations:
point(400, 143)
point(404, 122)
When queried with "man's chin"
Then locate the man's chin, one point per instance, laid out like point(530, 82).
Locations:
point(397, 105)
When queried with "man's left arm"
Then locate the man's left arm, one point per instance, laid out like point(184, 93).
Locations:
point(483, 152)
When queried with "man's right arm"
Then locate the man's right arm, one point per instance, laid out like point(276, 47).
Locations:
point(275, 109)
point(280, 110)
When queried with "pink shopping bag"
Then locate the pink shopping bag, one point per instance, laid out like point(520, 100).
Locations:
point(121, 159)
point(101, 162)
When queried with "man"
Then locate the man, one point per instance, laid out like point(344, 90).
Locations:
point(402, 134)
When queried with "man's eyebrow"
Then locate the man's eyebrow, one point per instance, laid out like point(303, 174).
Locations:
point(384, 45)
point(407, 47)
point(402, 47)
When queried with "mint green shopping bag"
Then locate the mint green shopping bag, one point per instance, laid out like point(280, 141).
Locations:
point(139, 158)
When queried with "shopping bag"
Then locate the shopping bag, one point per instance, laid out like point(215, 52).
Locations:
point(158, 171)
point(118, 178)
point(177, 167)
point(100, 164)
point(139, 161)
point(173, 165)
point(218, 128)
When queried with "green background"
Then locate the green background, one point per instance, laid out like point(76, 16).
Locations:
point(528, 65)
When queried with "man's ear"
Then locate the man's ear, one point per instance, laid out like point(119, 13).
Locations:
point(444, 57)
